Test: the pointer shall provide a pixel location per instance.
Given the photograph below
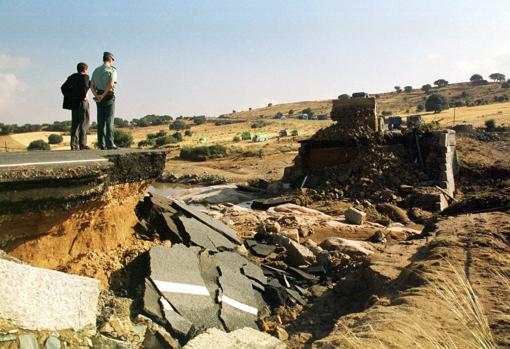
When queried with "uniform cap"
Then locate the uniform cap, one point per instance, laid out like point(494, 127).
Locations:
point(107, 55)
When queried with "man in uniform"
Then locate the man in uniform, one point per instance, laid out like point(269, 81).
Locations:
point(102, 86)
point(75, 98)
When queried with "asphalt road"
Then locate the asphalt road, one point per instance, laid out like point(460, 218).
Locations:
point(57, 157)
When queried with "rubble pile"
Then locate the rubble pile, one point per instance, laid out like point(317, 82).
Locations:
point(203, 276)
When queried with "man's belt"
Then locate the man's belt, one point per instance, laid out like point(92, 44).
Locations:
point(100, 92)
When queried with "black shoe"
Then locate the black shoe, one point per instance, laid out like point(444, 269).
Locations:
point(113, 147)
point(85, 147)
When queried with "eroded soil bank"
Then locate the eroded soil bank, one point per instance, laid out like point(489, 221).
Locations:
point(91, 239)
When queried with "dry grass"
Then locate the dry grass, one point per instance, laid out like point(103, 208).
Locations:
point(458, 299)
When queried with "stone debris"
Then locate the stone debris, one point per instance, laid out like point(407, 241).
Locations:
point(28, 341)
point(349, 247)
point(355, 216)
point(41, 299)
point(246, 338)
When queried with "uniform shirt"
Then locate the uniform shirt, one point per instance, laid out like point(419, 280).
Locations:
point(102, 76)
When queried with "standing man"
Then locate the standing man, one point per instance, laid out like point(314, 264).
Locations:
point(75, 98)
point(102, 86)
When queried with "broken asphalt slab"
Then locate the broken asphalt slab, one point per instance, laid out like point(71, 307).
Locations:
point(220, 227)
point(176, 274)
point(246, 338)
point(204, 236)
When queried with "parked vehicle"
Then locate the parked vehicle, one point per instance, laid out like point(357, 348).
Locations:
point(260, 138)
point(356, 95)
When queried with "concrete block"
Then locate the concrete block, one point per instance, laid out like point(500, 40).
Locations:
point(247, 338)
point(355, 216)
point(41, 299)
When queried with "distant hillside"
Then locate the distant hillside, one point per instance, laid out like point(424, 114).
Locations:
point(402, 103)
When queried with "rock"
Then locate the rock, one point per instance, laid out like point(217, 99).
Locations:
point(312, 245)
point(41, 299)
point(28, 341)
point(378, 237)
point(118, 327)
point(246, 338)
point(355, 216)
point(52, 343)
point(297, 254)
point(393, 212)
point(281, 334)
point(273, 227)
point(317, 290)
point(349, 247)
point(291, 234)
point(420, 216)
point(103, 342)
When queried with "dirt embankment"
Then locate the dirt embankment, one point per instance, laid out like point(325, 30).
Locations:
point(432, 304)
point(94, 239)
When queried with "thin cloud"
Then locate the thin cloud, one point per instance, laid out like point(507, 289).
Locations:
point(9, 84)
point(492, 64)
point(13, 62)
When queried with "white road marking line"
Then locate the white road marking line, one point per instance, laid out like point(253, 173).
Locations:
point(174, 287)
point(238, 305)
point(166, 305)
point(54, 162)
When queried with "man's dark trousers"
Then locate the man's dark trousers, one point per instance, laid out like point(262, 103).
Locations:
point(105, 113)
point(79, 126)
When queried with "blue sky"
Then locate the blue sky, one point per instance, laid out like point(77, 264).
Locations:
point(210, 57)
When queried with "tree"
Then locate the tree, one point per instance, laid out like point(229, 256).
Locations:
point(199, 120)
point(122, 138)
point(291, 111)
point(441, 83)
point(398, 89)
point(436, 103)
point(426, 88)
point(490, 124)
point(344, 96)
point(178, 125)
point(188, 133)
point(55, 139)
point(497, 77)
point(475, 78)
point(269, 104)
point(38, 145)
point(118, 122)
point(308, 111)
point(506, 84)
point(278, 115)
point(408, 89)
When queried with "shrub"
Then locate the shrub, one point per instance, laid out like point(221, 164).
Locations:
point(386, 113)
point(246, 136)
point(202, 153)
point(236, 139)
point(259, 124)
point(165, 140)
point(119, 122)
point(38, 145)
point(269, 104)
point(178, 136)
point(344, 96)
point(436, 103)
point(475, 78)
point(161, 133)
point(506, 84)
point(408, 89)
point(490, 124)
point(178, 125)
point(502, 98)
point(55, 139)
point(122, 138)
point(294, 133)
point(420, 107)
point(398, 89)
point(146, 143)
point(291, 111)
point(188, 133)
